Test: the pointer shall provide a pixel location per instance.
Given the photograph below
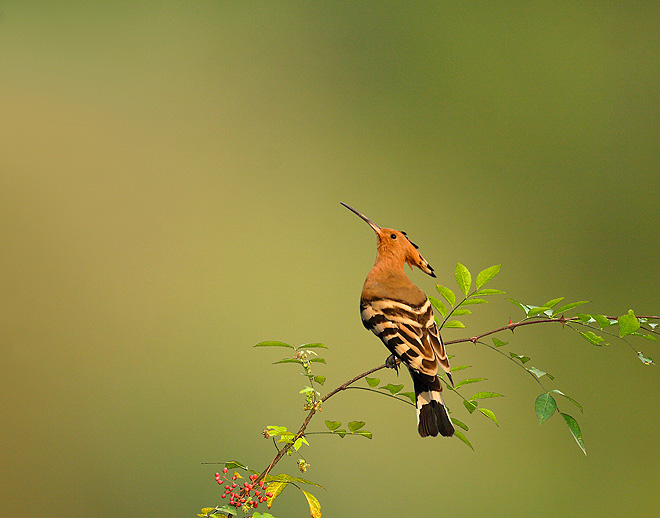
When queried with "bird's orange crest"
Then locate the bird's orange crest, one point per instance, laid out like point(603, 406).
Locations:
point(395, 248)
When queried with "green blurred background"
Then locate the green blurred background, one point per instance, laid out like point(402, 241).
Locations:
point(171, 174)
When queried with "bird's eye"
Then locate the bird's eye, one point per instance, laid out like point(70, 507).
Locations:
point(393, 236)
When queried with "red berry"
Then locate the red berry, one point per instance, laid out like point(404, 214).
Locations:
point(224, 470)
point(234, 477)
point(269, 494)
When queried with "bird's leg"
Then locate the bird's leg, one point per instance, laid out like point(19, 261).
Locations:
point(391, 363)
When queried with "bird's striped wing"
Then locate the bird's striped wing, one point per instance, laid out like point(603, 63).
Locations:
point(409, 332)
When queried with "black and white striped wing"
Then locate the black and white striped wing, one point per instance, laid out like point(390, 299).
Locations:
point(409, 332)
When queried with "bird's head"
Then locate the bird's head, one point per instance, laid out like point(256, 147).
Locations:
point(396, 245)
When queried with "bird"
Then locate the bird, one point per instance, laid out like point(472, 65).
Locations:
point(400, 314)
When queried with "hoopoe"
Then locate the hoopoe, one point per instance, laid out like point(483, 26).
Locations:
point(399, 313)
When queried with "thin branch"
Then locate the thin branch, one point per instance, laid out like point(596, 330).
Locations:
point(311, 413)
point(382, 394)
point(474, 339)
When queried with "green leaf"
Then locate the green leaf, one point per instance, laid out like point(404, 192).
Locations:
point(314, 505)
point(569, 398)
point(570, 306)
point(227, 509)
point(409, 395)
point(460, 424)
point(297, 444)
point(306, 390)
point(485, 292)
point(628, 324)
point(602, 320)
point(471, 406)
point(276, 430)
point(373, 382)
point(463, 278)
point(545, 406)
point(287, 437)
point(471, 301)
point(461, 311)
point(446, 293)
point(319, 379)
point(364, 433)
point(454, 323)
point(332, 425)
point(539, 373)
point(468, 381)
point(274, 344)
point(644, 360)
point(234, 464)
point(486, 275)
point(459, 435)
point(592, 337)
point(392, 388)
point(536, 311)
point(489, 414)
point(552, 303)
point(355, 425)
point(575, 430)
point(521, 306)
point(584, 317)
point(484, 395)
point(460, 368)
point(438, 305)
point(523, 359)
point(288, 360)
point(499, 343)
point(341, 433)
point(312, 346)
point(317, 360)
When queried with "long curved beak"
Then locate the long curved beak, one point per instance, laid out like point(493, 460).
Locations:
point(371, 223)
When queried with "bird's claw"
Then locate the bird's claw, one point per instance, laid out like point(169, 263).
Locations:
point(392, 363)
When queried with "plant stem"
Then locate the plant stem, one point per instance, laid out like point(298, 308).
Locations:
point(311, 413)
point(473, 339)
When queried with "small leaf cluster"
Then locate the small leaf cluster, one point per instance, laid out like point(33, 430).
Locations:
point(285, 436)
point(354, 428)
point(304, 356)
point(546, 406)
point(471, 404)
point(464, 280)
point(391, 390)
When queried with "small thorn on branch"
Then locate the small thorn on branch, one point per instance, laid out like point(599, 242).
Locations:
point(474, 339)
point(511, 325)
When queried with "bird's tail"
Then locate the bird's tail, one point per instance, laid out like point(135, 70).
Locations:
point(432, 415)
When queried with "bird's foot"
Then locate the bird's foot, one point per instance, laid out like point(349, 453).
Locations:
point(392, 363)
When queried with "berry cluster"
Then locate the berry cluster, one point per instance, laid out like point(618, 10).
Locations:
point(246, 496)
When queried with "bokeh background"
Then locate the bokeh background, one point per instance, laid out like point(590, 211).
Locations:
point(171, 174)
